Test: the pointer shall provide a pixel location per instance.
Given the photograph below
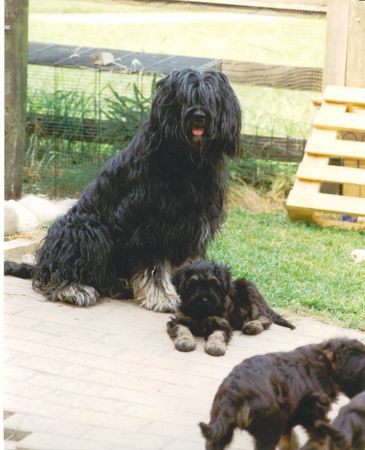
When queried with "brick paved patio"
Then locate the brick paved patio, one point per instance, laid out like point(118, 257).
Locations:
point(108, 377)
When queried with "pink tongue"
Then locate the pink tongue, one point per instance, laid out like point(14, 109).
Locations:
point(198, 131)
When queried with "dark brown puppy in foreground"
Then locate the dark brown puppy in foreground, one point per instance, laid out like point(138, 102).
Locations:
point(270, 394)
point(213, 305)
point(346, 432)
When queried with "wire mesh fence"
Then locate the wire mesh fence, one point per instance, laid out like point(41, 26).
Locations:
point(79, 117)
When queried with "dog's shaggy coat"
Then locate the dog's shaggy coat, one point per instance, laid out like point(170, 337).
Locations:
point(270, 394)
point(154, 205)
point(213, 305)
point(346, 432)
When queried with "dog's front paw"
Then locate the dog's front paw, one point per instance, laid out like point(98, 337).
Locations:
point(216, 344)
point(156, 294)
point(185, 344)
point(76, 294)
point(164, 303)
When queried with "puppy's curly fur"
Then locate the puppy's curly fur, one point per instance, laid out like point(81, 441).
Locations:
point(213, 305)
point(270, 394)
point(155, 205)
point(346, 432)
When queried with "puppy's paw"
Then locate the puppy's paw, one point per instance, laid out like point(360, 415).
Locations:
point(252, 327)
point(185, 344)
point(216, 344)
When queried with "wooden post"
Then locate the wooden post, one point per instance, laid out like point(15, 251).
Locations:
point(345, 60)
point(345, 55)
point(16, 60)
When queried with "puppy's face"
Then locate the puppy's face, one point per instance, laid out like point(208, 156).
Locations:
point(200, 110)
point(203, 288)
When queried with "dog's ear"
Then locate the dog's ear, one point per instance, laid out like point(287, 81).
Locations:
point(179, 279)
point(330, 355)
point(224, 276)
point(231, 116)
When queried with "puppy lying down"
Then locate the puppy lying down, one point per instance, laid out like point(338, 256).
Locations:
point(213, 305)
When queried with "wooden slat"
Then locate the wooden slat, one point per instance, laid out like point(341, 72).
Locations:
point(340, 121)
point(328, 203)
point(333, 174)
point(317, 6)
point(335, 148)
point(259, 74)
point(336, 94)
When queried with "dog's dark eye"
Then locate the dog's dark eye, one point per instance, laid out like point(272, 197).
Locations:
point(214, 282)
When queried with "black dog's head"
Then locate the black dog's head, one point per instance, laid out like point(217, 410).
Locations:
point(198, 110)
point(347, 357)
point(204, 288)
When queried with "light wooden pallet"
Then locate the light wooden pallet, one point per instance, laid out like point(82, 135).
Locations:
point(338, 133)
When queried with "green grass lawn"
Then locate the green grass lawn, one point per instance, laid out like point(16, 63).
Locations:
point(299, 267)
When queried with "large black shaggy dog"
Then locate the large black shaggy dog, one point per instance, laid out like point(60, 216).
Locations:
point(213, 305)
point(270, 394)
point(154, 206)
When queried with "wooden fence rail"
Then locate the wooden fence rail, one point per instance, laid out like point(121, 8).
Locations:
point(288, 77)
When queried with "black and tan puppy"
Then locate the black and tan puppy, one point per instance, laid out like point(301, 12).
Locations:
point(213, 305)
point(270, 394)
point(346, 432)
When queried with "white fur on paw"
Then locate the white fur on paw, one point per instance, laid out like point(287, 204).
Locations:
point(216, 345)
point(184, 341)
point(358, 255)
point(78, 294)
point(157, 295)
point(185, 344)
point(161, 302)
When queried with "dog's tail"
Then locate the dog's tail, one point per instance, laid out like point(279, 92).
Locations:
point(19, 270)
point(219, 432)
point(279, 320)
point(247, 290)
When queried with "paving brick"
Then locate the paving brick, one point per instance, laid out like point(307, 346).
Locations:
point(111, 421)
point(33, 423)
point(48, 365)
point(180, 444)
point(175, 431)
point(44, 441)
point(169, 415)
point(18, 373)
point(67, 384)
point(11, 386)
point(122, 439)
point(87, 402)
point(9, 445)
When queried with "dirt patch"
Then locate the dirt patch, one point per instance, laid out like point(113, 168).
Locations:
point(35, 235)
point(250, 199)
